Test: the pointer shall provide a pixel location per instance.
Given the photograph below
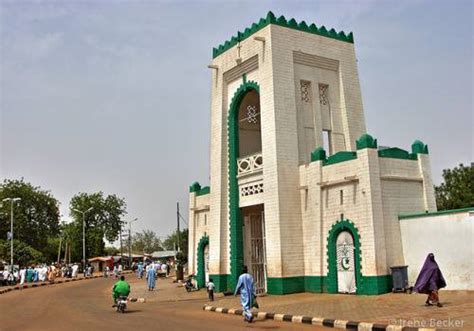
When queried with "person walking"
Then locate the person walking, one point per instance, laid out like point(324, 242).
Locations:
point(150, 277)
point(210, 289)
point(245, 286)
point(140, 270)
point(22, 275)
point(75, 269)
point(430, 280)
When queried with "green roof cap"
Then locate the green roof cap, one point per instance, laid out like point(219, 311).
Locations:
point(281, 21)
point(366, 141)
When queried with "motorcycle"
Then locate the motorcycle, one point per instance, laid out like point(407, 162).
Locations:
point(121, 304)
point(189, 285)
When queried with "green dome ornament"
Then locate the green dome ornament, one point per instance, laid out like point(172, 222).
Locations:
point(366, 141)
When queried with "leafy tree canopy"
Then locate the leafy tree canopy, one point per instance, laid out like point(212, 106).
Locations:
point(36, 216)
point(171, 242)
point(457, 190)
point(146, 242)
point(103, 219)
point(24, 255)
point(111, 251)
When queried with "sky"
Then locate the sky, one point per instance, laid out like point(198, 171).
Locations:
point(114, 96)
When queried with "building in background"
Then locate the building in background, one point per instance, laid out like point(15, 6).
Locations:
point(299, 192)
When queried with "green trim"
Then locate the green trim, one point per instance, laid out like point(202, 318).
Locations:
point(436, 213)
point(315, 284)
point(397, 153)
point(319, 154)
point(200, 275)
point(372, 285)
point(285, 285)
point(366, 141)
point(221, 282)
point(340, 157)
point(281, 21)
point(418, 147)
point(331, 280)
point(203, 191)
point(195, 187)
point(369, 285)
point(235, 220)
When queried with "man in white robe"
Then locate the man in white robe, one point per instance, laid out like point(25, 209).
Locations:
point(22, 275)
point(75, 269)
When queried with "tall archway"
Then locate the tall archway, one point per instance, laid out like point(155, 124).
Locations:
point(245, 93)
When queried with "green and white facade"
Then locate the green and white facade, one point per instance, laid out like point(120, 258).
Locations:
point(299, 192)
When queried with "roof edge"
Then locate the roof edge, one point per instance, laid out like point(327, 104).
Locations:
point(281, 21)
point(436, 213)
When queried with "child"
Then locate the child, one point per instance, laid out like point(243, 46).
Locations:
point(210, 289)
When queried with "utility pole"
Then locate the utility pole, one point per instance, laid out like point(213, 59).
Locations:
point(59, 250)
point(12, 201)
point(121, 247)
point(83, 236)
point(65, 253)
point(177, 219)
point(130, 242)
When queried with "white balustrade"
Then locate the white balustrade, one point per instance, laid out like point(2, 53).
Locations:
point(249, 164)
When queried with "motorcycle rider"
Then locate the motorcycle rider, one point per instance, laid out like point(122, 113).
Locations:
point(121, 288)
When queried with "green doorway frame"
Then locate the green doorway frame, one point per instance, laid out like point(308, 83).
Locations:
point(235, 218)
point(201, 268)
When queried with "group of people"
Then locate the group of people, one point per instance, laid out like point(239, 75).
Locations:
point(30, 274)
point(151, 272)
point(160, 268)
point(42, 273)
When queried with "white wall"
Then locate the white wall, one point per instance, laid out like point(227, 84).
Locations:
point(450, 238)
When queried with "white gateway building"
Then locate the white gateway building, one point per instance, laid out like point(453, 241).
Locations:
point(299, 192)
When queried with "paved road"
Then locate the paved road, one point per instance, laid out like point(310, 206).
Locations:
point(87, 306)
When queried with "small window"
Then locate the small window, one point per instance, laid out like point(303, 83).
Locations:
point(205, 219)
point(341, 197)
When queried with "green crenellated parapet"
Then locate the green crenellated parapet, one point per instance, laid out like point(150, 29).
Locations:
point(418, 147)
point(203, 191)
point(319, 154)
point(339, 157)
point(195, 187)
point(366, 141)
point(287, 23)
point(397, 153)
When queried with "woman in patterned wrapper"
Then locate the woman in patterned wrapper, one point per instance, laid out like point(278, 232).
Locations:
point(430, 280)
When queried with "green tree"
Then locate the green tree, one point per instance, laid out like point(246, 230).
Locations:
point(171, 242)
point(457, 190)
point(103, 221)
point(23, 253)
point(36, 216)
point(111, 251)
point(146, 241)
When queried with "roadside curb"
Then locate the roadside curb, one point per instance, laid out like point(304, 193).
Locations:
point(320, 321)
point(42, 284)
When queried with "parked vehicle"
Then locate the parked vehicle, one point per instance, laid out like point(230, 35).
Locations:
point(189, 285)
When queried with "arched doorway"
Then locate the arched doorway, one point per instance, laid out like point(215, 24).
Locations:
point(244, 139)
point(345, 261)
point(202, 275)
point(344, 258)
